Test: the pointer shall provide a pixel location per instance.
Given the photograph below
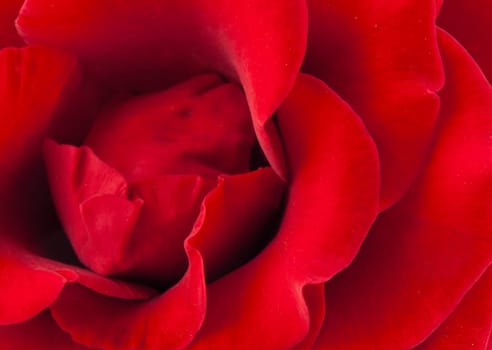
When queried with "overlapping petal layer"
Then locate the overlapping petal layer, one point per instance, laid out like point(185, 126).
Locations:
point(422, 256)
point(270, 303)
point(41, 92)
point(469, 22)
point(230, 223)
point(382, 58)
point(469, 326)
point(160, 43)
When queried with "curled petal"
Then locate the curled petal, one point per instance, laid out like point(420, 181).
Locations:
point(423, 255)
point(239, 213)
point(382, 57)
point(333, 170)
point(30, 283)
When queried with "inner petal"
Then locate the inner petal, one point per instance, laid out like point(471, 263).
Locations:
point(200, 127)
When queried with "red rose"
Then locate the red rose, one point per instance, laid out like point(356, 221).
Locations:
point(245, 175)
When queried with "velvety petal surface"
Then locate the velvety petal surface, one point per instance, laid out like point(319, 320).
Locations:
point(470, 22)
point(39, 333)
point(469, 326)
point(332, 201)
point(422, 256)
point(382, 58)
point(8, 34)
point(199, 127)
point(39, 88)
point(165, 42)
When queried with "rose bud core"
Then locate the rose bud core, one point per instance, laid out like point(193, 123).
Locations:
point(132, 195)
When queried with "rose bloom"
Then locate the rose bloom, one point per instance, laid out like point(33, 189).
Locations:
point(245, 174)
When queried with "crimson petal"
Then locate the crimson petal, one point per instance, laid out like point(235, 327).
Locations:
point(40, 333)
point(333, 199)
point(38, 91)
point(423, 255)
point(470, 22)
point(470, 324)
point(8, 12)
point(382, 57)
point(181, 39)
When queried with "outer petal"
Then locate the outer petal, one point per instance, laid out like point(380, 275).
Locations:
point(332, 201)
point(40, 333)
point(471, 23)
point(382, 58)
point(30, 283)
point(8, 12)
point(161, 41)
point(423, 255)
point(469, 326)
point(39, 88)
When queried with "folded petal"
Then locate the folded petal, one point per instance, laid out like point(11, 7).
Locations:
point(333, 199)
point(470, 23)
point(423, 255)
point(39, 333)
point(382, 58)
point(469, 326)
point(168, 321)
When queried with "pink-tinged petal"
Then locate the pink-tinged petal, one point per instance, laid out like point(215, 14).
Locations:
point(8, 34)
point(39, 333)
point(470, 22)
point(423, 255)
point(240, 212)
point(168, 321)
point(39, 89)
point(165, 42)
point(469, 326)
point(333, 199)
point(382, 58)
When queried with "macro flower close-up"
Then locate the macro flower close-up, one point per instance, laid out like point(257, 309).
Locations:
point(245, 174)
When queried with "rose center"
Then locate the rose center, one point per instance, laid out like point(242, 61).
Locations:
point(131, 195)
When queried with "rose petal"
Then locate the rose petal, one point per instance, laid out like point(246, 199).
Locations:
point(8, 12)
point(22, 271)
point(423, 255)
point(470, 22)
point(239, 213)
point(39, 333)
point(469, 326)
point(382, 57)
point(201, 127)
point(25, 290)
point(314, 294)
point(39, 88)
point(168, 321)
point(333, 199)
point(165, 42)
